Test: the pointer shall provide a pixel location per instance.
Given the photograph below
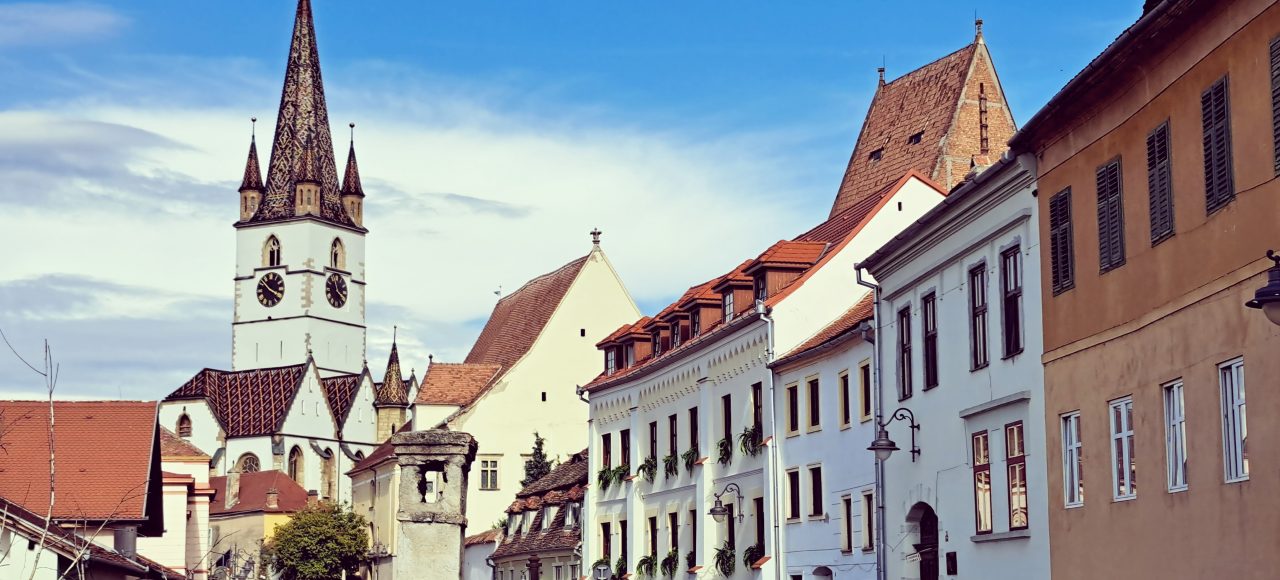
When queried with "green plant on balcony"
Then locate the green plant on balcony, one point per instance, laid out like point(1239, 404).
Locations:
point(620, 473)
point(604, 478)
point(620, 568)
point(671, 465)
point(724, 560)
point(690, 560)
point(750, 441)
point(670, 563)
point(753, 553)
point(690, 458)
point(649, 468)
point(725, 448)
point(646, 566)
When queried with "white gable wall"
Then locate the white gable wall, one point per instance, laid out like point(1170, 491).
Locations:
point(204, 427)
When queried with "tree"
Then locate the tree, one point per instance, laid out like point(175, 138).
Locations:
point(538, 465)
point(318, 543)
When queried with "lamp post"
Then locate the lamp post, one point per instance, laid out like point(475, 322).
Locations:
point(1267, 298)
point(718, 511)
point(883, 446)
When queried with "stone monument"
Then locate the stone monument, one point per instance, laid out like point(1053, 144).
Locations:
point(433, 502)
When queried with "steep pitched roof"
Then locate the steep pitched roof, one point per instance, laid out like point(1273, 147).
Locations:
point(798, 254)
point(253, 494)
point(351, 181)
point(255, 402)
point(105, 457)
point(458, 384)
point(486, 537)
point(340, 393)
point(565, 483)
point(302, 147)
point(252, 171)
point(392, 390)
point(174, 447)
point(519, 317)
point(834, 332)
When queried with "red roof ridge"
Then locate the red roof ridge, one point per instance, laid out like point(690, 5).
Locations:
point(519, 318)
point(456, 384)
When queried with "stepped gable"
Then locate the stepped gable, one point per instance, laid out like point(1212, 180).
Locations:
point(519, 317)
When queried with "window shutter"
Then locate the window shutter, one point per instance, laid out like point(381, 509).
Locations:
point(1060, 251)
point(1160, 183)
point(1219, 188)
point(1110, 217)
point(1275, 99)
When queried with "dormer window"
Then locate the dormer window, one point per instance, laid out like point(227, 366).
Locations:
point(630, 353)
point(657, 343)
point(761, 290)
point(513, 524)
point(695, 324)
point(728, 305)
point(876, 155)
point(675, 334)
point(184, 426)
point(915, 138)
point(548, 514)
point(610, 360)
point(271, 252)
point(572, 512)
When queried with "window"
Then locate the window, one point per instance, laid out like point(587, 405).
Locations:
point(489, 473)
point(1072, 461)
point(846, 511)
point(864, 392)
point(610, 361)
point(624, 444)
point(337, 254)
point(295, 464)
point(1275, 99)
point(673, 528)
point(1160, 183)
point(760, 286)
point(876, 155)
point(653, 536)
point(675, 333)
point(846, 414)
point(673, 430)
point(726, 412)
point(606, 541)
point(1061, 254)
point(184, 426)
point(653, 440)
point(757, 409)
point(656, 340)
point(1123, 468)
point(693, 529)
point(1175, 437)
point(559, 573)
point(868, 521)
point(622, 535)
point(793, 494)
point(728, 305)
point(904, 354)
point(606, 455)
point(793, 409)
point(915, 137)
point(1011, 300)
point(548, 514)
point(929, 317)
point(1215, 114)
point(758, 504)
point(630, 352)
point(572, 515)
point(695, 323)
point(731, 532)
point(978, 317)
point(982, 482)
point(693, 431)
point(816, 499)
point(1015, 455)
point(815, 405)
point(271, 252)
point(1235, 432)
point(248, 463)
point(1110, 217)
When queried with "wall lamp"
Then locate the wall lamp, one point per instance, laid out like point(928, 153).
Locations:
point(883, 446)
point(1267, 298)
point(718, 511)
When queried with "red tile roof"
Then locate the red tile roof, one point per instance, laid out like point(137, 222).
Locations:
point(106, 456)
point(924, 100)
point(458, 384)
point(174, 447)
point(564, 483)
point(797, 254)
point(253, 494)
point(519, 317)
point(864, 310)
point(486, 537)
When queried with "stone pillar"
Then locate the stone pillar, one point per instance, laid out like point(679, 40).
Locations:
point(534, 565)
point(434, 466)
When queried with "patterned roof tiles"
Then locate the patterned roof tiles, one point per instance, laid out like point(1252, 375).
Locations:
point(255, 402)
point(351, 181)
point(340, 392)
point(252, 171)
point(519, 317)
point(457, 384)
point(392, 390)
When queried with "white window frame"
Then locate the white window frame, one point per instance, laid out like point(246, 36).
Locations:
point(497, 472)
point(1123, 486)
point(1072, 448)
point(1235, 426)
point(1175, 435)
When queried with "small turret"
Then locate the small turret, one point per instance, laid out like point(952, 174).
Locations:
point(307, 189)
point(251, 186)
point(392, 397)
point(352, 192)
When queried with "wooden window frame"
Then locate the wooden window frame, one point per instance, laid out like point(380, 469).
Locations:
point(929, 321)
point(694, 431)
point(846, 408)
point(624, 449)
point(606, 451)
point(813, 400)
point(1016, 461)
point(904, 353)
point(1160, 183)
point(1062, 261)
point(817, 492)
point(485, 470)
point(866, 402)
point(653, 537)
point(981, 467)
point(846, 507)
point(1012, 336)
point(793, 409)
point(606, 541)
point(726, 418)
point(673, 433)
point(795, 503)
point(1219, 178)
point(1123, 485)
point(868, 520)
point(1110, 190)
point(673, 530)
point(653, 440)
point(979, 313)
point(757, 410)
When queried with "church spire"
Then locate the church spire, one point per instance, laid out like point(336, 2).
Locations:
point(392, 391)
point(252, 171)
point(351, 180)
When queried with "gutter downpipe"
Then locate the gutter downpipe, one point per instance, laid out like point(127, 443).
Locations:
point(773, 447)
point(881, 573)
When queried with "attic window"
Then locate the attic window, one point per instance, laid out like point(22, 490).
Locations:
point(184, 426)
point(876, 155)
point(915, 138)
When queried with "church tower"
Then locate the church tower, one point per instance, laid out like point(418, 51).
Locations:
point(391, 398)
point(300, 270)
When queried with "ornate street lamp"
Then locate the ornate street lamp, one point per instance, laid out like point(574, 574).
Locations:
point(883, 446)
point(1267, 298)
point(718, 511)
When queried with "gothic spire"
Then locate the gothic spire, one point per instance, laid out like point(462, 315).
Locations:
point(252, 171)
point(351, 181)
point(393, 390)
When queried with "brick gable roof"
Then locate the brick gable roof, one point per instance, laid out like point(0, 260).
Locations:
point(458, 384)
point(106, 457)
point(519, 317)
point(253, 494)
point(565, 483)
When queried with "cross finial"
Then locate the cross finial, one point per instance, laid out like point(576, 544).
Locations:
point(595, 236)
point(977, 25)
point(394, 329)
point(253, 128)
point(353, 132)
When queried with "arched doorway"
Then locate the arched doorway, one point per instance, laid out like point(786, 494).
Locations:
point(925, 521)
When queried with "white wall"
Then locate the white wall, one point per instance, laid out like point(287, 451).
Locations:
point(978, 227)
point(204, 427)
point(16, 561)
point(474, 564)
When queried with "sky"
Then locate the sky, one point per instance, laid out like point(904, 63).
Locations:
point(492, 136)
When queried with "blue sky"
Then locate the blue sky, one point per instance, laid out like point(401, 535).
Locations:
point(493, 136)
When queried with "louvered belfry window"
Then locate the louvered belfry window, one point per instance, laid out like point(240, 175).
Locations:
point(1160, 183)
point(1219, 186)
point(1110, 217)
point(1275, 98)
point(1061, 253)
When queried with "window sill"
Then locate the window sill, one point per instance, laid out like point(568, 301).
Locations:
point(1179, 489)
point(1072, 506)
point(866, 419)
point(1123, 499)
point(982, 366)
point(868, 550)
point(1237, 480)
point(1011, 355)
point(846, 426)
point(814, 429)
point(1001, 536)
point(791, 434)
point(793, 521)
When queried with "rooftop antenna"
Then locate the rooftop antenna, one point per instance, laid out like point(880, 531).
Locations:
point(394, 329)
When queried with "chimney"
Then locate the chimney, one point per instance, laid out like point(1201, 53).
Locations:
point(233, 490)
point(313, 497)
point(126, 541)
point(273, 499)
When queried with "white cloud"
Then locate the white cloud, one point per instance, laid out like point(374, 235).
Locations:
point(47, 24)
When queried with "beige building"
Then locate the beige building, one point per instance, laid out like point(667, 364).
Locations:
point(245, 513)
point(1158, 198)
point(185, 491)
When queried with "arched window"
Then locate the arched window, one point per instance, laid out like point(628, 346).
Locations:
point(338, 255)
point(248, 463)
point(184, 426)
point(271, 252)
point(295, 464)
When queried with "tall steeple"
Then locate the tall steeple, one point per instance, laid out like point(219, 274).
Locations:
point(302, 125)
point(392, 397)
point(251, 185)
point(352, 192)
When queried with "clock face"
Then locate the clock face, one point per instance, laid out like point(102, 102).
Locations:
point(335, 288)
point(270, 289)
